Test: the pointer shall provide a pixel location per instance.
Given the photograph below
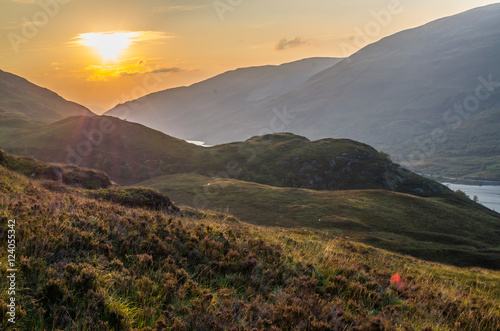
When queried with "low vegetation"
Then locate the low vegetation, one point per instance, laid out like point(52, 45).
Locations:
point(135, 197)
point(131, 153)
point(69, 175)
point(90, 264)
point(449, 230)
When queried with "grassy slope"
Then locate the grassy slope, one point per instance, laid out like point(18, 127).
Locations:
point(288, 160)
point(128, 152)
point(436, 229)
point(131, 153)
point(23, 98)
point(95, 265)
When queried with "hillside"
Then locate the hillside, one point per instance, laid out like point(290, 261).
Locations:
point(185, 112)
point(20, 97)
point(398, 94)
point(288, 160)
point(91, 264)
point(451, 231)
point(131, 152)
point(127, 151)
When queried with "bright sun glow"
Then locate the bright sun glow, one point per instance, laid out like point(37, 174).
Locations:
point(110, 45)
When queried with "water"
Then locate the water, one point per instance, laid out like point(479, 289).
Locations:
point(488, 195)
point(198, 143)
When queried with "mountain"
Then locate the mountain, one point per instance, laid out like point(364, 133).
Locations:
point(85, 262)
point(189, 112)
point(131, 152)
point(438, 229)
point(20, 97)
point(399, 94)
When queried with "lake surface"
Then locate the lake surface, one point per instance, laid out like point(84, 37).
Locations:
point(488, 195)
point(198, 143)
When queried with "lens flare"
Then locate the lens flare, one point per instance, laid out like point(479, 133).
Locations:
point(396, 278)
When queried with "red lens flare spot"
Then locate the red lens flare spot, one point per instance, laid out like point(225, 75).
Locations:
point(396, 278)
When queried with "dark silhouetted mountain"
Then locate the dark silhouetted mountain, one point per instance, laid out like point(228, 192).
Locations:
point(20, 97)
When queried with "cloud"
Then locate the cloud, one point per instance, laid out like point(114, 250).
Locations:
point(57, 66)
point(129, 68)
point(161, 70)
point(151, 35)
point(285, 43)
point(132, 36)
point(154, 71)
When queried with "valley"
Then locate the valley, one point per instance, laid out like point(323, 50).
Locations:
point(402, 95)
point(264, 181)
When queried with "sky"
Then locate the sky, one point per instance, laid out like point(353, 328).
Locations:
point(103, 52)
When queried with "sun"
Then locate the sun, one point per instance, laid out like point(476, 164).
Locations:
point(109, 45)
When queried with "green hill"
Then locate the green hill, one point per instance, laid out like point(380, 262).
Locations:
point(87, 263)
point(128, 152)
point(131, 153)
point(448, 230)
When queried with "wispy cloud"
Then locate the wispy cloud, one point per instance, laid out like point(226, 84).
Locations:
point(164, 70)
point(133, 36)
point(151, 35)
point(126, 69)
point(285, 43)
point(154, 71)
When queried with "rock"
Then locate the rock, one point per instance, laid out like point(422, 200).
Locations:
point(53, 173)
point(419, 190)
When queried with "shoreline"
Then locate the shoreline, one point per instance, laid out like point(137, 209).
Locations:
point(462, 181)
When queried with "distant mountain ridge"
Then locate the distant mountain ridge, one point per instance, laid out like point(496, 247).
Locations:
point(399, 95)
point(395, 93)
point(18, 96)
point(189, 112)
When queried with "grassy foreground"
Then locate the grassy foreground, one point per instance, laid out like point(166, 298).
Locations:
point(438, 229)
point(87, 264)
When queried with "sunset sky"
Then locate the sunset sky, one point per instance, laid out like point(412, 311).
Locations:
point(98, 53)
